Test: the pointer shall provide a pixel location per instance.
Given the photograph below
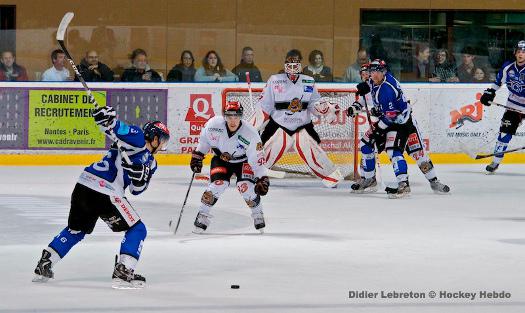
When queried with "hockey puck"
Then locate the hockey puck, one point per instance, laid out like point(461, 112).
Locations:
point(234, 287)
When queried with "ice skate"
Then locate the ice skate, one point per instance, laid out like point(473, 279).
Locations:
point(491, 168)
point(402, 190)
point(202, 221)
point(438, 187)
point(43, 270)
point(364, 185)
point(125, 278)
point(258, 222)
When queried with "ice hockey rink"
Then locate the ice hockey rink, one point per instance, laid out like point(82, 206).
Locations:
point(320, 244)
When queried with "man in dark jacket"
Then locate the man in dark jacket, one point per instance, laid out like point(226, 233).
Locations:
point(9, 70)
point(94, 71)
point(247, 65)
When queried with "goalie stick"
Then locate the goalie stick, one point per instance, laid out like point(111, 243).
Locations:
point(61, 32)
point(183, 205)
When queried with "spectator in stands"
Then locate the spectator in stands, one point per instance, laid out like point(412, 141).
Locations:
point(247, 65)
point(466, 68)
point(480, 75)
point(444, 68)
point(140, 71)
point(352, 72)
point(185, 70)
point(9, 70)
point(316, 68)
point(421, 62)
point(213, 70)
point(58, 72)
point(94, 71)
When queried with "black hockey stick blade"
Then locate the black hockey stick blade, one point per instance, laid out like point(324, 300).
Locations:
point(482, 156)
point(61, 32)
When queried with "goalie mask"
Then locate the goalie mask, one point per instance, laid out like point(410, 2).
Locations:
point(159, 129)
point(292, 63)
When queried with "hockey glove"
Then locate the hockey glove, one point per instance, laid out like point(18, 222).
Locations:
point(375, 111)
point(105, 117)
point(353, 109)
point(363, 88)
point(138, 173)
point(196, 161)
point(262, 185)
point(488, 96)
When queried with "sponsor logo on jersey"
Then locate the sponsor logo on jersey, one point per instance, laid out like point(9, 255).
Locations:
point(295, 105)
point(243, 140)
point(278, 88)
point(470, 112)
point(215, 129)
point(280, 81)
point(259, 146)
point(308, 88)
point(308, 81)
point(124, 208)
point(243, 187)
point(511, 74)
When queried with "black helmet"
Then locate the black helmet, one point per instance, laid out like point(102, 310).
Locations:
point(519, 46)
point(159, 129)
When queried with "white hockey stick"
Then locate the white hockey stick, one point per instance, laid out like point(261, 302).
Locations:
point(61, 32)
point(507, 107)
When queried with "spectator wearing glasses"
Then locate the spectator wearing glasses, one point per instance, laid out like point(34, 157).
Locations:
point(94, 71)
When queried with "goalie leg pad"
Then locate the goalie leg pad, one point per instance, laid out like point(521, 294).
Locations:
point(276, 146)
point(316, 158)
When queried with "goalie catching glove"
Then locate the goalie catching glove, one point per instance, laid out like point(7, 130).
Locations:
point(262, 185)
point(353, 109)
point(327, 109)
point(138, 173)
point(196, 161)
point(105, 117)
point(488, 96)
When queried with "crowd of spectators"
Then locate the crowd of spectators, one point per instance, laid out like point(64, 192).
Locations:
point(427, 65)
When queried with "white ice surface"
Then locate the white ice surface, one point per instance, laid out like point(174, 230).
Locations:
point(319, 244)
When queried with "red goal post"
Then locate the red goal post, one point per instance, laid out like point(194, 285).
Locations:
point(340, 139)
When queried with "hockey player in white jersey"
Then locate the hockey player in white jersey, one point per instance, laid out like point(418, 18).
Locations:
point(288, 102)
point(513, 75)
point(237, 149)
point(100, 193)
point(414, 147)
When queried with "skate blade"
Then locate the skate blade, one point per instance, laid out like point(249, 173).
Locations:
point(364, 191)
point(490, 173)
point(197, 230)
point(398, 195)
point(441, 192)
point(40, 279)
point(118, 283)
point(261, 230)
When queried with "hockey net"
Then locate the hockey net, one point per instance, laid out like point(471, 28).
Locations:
point(338, 139)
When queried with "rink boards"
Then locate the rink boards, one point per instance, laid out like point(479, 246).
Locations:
point(43, 123)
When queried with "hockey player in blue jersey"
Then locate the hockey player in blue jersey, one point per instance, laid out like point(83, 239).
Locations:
point(99, 193)
point(513, 75)
point(393, 128)
point(414, 147)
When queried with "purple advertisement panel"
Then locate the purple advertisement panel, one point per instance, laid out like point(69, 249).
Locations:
point(13, 118)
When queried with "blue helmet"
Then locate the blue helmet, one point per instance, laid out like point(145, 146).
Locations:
point(159, 129)
point(520, 46)
point(377, 65)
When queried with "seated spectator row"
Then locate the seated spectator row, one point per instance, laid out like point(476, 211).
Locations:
point(442, 68)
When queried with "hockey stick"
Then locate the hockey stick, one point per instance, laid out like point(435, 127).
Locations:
point(369, 118)
point(183, 205)
point(482, 156)
point(507, 107)
point(61, 32)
